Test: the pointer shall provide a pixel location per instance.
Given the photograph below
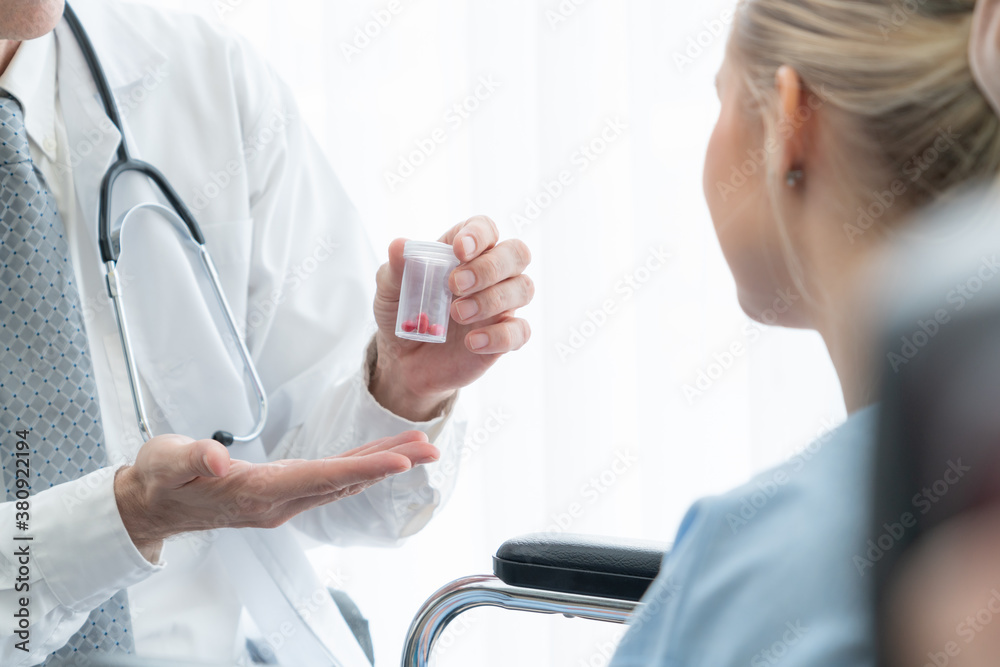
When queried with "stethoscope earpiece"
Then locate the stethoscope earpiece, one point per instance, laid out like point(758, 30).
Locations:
point(225, 437)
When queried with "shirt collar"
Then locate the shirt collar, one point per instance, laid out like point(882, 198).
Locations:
point(31, 78)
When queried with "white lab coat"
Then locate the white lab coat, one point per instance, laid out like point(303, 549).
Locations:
point(298, 273)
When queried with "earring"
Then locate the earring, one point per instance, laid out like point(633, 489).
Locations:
point(794, 177)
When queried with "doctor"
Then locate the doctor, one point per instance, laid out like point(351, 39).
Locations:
point(119, 558)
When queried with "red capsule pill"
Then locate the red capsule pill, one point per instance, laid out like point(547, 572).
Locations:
point(437, 330)
point(423, 323)
point(409, 326)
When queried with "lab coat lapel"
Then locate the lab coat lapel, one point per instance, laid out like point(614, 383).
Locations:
point(125, 55)
point(173, 380)
point(93, 139)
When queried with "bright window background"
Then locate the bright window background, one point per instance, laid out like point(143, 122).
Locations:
point(562, 76)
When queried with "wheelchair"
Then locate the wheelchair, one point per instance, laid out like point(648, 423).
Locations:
point(574, 575)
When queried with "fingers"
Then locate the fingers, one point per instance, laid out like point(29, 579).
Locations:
point(390, 456)
point(334, 474)
point(304, 504)
point(411, 444)
point(505, 336)
point(271, 494)
point(472, 238)
point(338, 474)
point(361, 449)
point(303, 479)
point(508, 295)
point(506, 260)
point(419, 452)
point(385, 443)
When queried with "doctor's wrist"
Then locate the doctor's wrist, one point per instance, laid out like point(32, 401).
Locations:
point(130, 497)
point(392, 395)
point(388, 386)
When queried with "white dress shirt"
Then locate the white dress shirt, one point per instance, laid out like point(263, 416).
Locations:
point(314, 367)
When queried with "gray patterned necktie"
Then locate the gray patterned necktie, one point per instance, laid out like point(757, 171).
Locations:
point(46, 376)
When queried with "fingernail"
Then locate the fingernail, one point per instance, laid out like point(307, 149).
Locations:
point(469, 245)
point(466, 309)
point(478, 341)
point(465, 280)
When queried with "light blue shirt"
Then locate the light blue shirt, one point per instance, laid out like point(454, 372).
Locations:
point(767, 574)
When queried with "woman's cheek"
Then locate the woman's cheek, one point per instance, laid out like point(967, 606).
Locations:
point(717, 157)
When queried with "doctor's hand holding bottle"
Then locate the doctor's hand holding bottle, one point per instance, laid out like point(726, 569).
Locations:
point(413, 379)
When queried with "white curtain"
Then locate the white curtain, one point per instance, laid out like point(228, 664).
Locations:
point(580, 127)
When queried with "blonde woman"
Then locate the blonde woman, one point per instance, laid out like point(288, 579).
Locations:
point(864, 112)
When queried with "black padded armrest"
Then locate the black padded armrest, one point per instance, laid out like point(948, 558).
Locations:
point(580, 564)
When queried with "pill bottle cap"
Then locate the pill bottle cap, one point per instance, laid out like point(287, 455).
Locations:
point(430, 251)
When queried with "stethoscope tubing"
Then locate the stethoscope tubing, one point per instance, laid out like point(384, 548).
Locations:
point(181, 217)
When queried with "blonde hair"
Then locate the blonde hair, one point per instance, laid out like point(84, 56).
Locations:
point(893, 75)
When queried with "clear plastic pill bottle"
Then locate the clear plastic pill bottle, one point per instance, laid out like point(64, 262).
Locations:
point(425, 298)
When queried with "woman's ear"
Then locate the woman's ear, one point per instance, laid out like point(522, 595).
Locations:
point(794, 119)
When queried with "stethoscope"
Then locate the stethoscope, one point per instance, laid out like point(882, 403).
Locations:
point(181, 218)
